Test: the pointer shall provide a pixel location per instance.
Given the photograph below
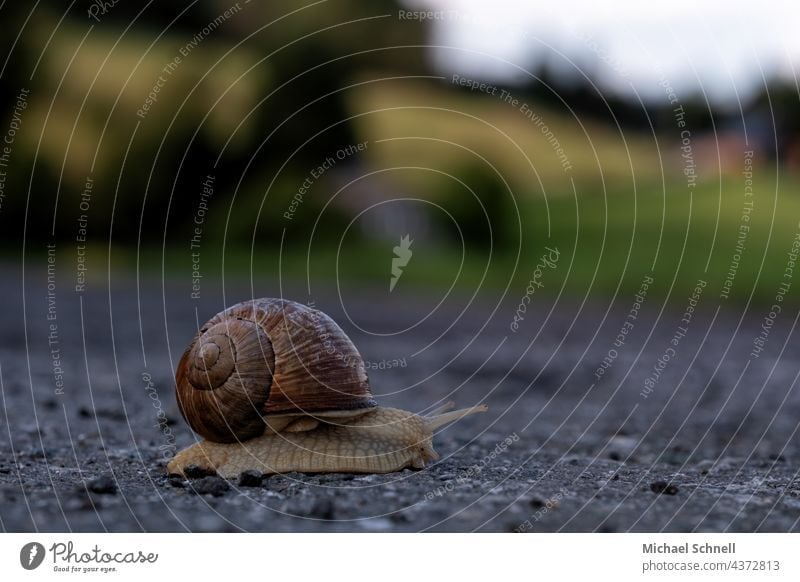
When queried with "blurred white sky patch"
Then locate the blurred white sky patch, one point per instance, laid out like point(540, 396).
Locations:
point(725, 48)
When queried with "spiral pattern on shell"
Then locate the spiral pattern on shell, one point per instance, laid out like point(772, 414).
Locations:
point(267, 357)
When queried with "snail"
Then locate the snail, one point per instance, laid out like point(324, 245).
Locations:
point(276, 386)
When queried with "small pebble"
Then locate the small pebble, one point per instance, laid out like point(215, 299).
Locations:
point(103, 485)
point(277, 485)
point(663, 488)
point(216, 486)
point(195, 472)
point(250, 479)
point(705, 466)
point(176, 481)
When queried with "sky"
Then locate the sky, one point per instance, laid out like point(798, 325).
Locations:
point(722, 48)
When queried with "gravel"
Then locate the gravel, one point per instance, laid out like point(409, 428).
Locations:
point(712, 448)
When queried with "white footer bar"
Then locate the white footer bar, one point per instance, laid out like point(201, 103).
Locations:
point(406, 557)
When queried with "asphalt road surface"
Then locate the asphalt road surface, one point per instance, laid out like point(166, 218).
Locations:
point(683, 430)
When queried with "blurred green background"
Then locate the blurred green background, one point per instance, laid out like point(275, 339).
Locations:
point(275, 89)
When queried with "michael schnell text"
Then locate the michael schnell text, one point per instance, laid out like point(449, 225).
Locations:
point(685, 548)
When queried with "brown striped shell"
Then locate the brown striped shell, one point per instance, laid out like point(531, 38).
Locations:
point(266, 358)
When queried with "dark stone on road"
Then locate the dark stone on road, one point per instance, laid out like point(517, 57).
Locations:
point(103, 485)
point(216, 486)
point(176, 481)
point(251, 479)
point(664, 488)
point(195, 472)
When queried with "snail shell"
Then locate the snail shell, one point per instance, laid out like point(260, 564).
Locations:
point(271, 363)
point(267, 362)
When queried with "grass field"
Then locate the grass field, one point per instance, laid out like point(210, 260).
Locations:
point(605, 245)
point(623, 211)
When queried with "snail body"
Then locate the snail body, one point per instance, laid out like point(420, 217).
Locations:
point(276, 386)
point(383, 440)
